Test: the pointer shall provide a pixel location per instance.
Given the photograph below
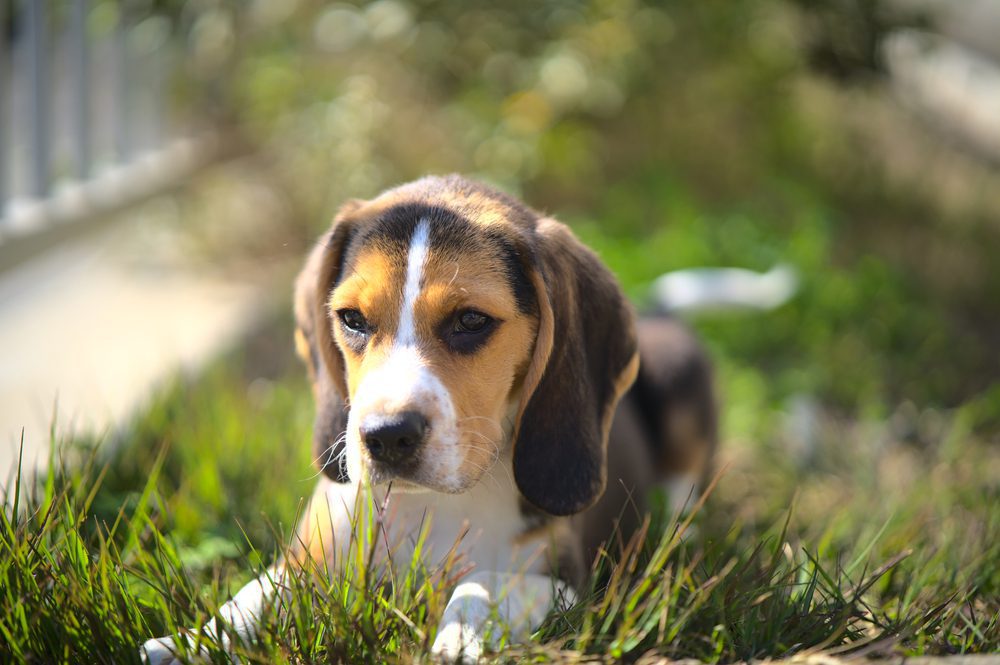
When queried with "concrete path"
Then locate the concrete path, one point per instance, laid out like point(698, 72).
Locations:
point(94, 325)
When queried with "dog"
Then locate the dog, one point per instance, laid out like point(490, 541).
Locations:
point(469, 358)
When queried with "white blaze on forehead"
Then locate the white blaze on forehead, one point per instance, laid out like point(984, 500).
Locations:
point(414, 271)
point(404, 381)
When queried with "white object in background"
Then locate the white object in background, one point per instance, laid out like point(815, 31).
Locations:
point(699, 289)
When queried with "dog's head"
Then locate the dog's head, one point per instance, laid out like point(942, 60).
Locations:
point(445, 323)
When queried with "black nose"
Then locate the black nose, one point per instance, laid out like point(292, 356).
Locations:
point(393, 439)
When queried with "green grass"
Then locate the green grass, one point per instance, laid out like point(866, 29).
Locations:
point(867, 545)
point(875, 531)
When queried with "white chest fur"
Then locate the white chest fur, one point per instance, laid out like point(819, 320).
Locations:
point(484, 524)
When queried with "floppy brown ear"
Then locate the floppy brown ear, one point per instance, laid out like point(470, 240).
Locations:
point(585, 358)
point(315, 343)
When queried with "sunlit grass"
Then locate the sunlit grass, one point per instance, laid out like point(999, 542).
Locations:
point(875, 530)
point(864, 549)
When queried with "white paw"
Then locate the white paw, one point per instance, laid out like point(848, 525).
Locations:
point(166, 651)
point(457, 642)
point(159, 651)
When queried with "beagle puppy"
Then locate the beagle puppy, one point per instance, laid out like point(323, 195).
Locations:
point(468, 357)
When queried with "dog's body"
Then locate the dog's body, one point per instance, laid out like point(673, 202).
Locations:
point(468, 356)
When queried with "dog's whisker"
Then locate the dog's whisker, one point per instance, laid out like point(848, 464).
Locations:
point(486, 472)
point(493, 442)
point(486, 418)
point(495, 423)
point(455, 276)
point(494, 455)
point(329, 456)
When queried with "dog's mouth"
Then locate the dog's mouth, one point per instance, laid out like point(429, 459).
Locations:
point(412, 479)
point(439, 467)
point(406, 478)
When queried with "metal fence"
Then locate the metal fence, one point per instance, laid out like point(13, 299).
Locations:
point(84, 108)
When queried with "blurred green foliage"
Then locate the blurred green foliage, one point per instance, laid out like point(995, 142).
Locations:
point(670, 134)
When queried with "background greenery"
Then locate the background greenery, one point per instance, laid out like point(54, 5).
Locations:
point(860, 421)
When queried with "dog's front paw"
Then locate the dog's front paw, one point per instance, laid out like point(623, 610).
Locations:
point(468, 625)
point(457, 642)
point(167, 651)
point(159, 651)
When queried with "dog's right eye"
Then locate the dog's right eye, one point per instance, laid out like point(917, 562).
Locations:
point(354, 320)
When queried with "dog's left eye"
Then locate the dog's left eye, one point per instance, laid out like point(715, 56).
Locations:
point(354, 320)
point(467, 330)
point(471, 321)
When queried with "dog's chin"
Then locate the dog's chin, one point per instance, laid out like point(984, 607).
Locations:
point(405, 486)
point(415, 482)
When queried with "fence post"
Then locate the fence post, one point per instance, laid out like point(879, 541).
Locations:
point(38, 83)
point(6, 112)
point(122, 129)
point(80, 68)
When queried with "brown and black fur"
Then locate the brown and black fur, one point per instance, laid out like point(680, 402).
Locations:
point(578, 451)
point(579, 408)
